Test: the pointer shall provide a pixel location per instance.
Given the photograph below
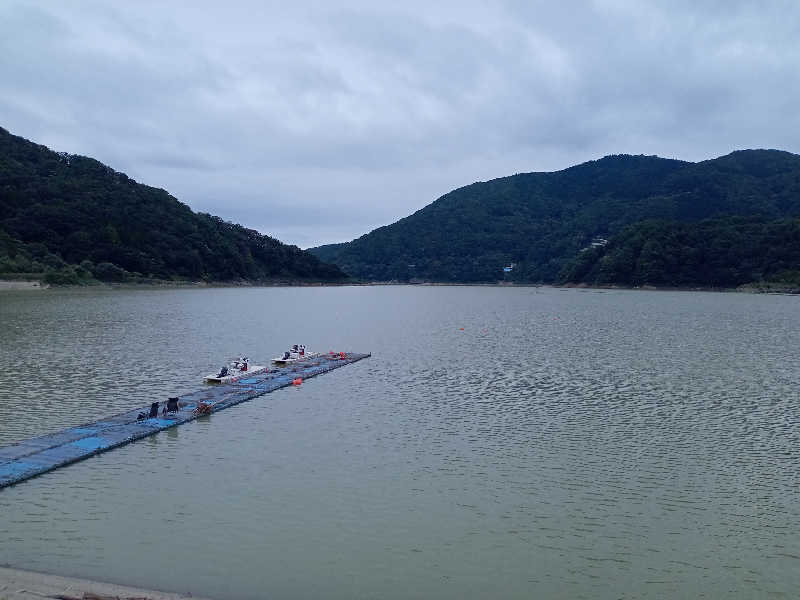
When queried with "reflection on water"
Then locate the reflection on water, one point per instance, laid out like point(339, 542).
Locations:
point(563, 444)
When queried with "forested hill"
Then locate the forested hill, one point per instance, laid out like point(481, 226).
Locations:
point(539, 222)
point(75, 219)
point(725, 252)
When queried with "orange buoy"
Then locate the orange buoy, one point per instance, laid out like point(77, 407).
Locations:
point(297, 381)
point(461, 329)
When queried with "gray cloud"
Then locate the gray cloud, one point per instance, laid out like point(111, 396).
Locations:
point(316, 122)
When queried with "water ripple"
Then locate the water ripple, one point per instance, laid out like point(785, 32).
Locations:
point(540, 442)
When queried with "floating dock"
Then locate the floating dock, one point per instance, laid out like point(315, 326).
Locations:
point(38, 455)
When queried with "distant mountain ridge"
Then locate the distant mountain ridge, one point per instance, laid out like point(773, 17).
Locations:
point(540, 222)
point(75, 219)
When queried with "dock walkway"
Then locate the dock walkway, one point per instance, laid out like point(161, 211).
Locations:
point(41, 454)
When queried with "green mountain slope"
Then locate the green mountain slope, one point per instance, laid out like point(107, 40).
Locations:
point(540, 221)
point(75, 218)
point(724, 252)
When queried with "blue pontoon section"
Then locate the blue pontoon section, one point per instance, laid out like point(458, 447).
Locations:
point(47, 452)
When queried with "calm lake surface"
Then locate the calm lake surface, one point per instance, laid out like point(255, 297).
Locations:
point(563, 444)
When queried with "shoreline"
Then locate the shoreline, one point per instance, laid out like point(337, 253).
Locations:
point(20, 284)
point(753, 288)
point(19, 584)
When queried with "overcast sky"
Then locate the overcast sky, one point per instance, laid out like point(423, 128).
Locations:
point(316, 122)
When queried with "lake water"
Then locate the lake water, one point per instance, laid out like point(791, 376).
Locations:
point(501, 442)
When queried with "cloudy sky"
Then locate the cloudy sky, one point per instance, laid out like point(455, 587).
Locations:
point(316, 122)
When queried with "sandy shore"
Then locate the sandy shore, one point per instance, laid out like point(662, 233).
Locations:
point(27, 585)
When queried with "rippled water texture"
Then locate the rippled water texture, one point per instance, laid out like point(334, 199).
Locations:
point(513, 443)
